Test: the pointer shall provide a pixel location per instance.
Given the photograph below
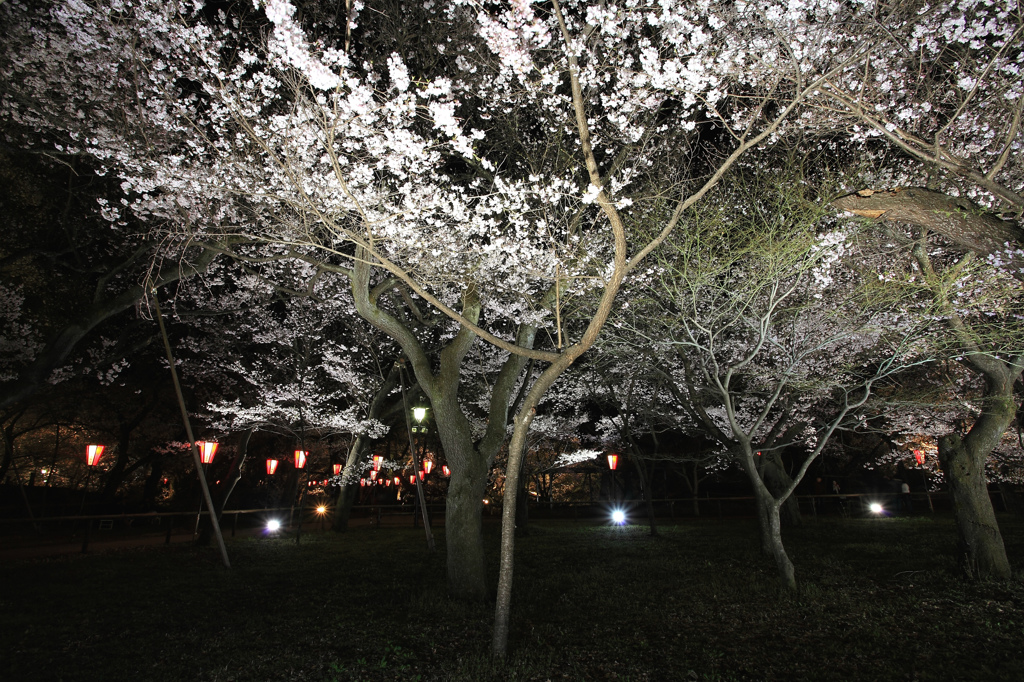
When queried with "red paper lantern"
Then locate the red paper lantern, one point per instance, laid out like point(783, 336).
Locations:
point(373, 475)
point(337, 469)
point(362, 482)
point(412, 479)
point(422, 474)
point(445, 470)
point(398, 480)
point(613, 462)
point(428, 465)
point(300, 459)
point(919, 456)
point(387, 483)
point(271, 466)
point(377, 459)
point(93, 454)
point(207, 449)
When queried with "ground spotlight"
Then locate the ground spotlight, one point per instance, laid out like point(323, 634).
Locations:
point(273, 525)
point(322, 509)
point(618, 517)
point(876, 508)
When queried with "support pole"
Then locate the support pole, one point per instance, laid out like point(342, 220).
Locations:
point(188, 433)
point(416, 468)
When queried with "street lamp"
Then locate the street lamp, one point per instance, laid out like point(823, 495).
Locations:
point(271, 466)
point(92, 458)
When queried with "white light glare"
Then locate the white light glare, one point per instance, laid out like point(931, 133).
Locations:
point(273, 525)
point(618, 517)
point(876, 508)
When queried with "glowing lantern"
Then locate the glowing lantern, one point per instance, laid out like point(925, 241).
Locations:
point(362, 482)
point(337, 469)
point(300, 459)
point(207, 450)
point(93, 454)
point(445, 470)
point(271, 466)
point(919, 456)
point(419, 413)
point(412, 480)
point(422, 474)
point(387, 483)
point(377, 459)
point(613, 462)
point(373, 475)
point(427, 466)
point(398, 480)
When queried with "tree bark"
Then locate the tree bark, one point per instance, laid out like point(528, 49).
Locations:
point(955, 218)
point(770, 525)
point(980, 539)
point(777, 481)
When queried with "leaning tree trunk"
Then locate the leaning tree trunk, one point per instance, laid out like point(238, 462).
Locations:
point(348, 491)
point(223, 492)
point(980, 539)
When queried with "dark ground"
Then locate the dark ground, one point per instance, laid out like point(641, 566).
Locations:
point(880, 599)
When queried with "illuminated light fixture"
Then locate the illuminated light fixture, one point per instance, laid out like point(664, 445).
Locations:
point(422, 474)
point(613, 462)
point(373, 475)
point(362, 482)
point(93, 454)
point(876, 508)
point(618, 517)
point(919, 456)
point(272, 466)
point(758, 453)
point(387, 483)
point(207, 449)
point(398, 481)
point(273, 525)
point(412, 480)
point(445, 470)
point(322, 509)
point(428, 466)
point(337, 469)
point(300, 458)
point(419, 413)
point(377, 459)
point(380, 481)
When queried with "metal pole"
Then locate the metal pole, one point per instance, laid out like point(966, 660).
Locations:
point(188, 433)
point(416, 471)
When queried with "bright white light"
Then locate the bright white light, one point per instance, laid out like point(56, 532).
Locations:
point(877, 508)
point(321, 509)
point(419, 413)
point(619, 517)
point(273, 525)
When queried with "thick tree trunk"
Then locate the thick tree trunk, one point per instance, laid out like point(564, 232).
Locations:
point(981, 541)
point(467, 578)
point(770, 525)
point(348, 491)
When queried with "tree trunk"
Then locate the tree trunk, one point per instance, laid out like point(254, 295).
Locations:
point(980, 539)
point(223, 492)
point(1011, 500)
point(463, 536)
point(770, 525)
point(777, 481)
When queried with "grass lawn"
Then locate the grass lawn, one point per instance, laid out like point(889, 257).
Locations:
point(880, 599)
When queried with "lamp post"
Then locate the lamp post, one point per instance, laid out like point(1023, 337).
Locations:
point(207, 450)
point(420, 412)
point(92, 458)
point(300, 464)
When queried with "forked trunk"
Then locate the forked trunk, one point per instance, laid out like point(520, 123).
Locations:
point(770, 526)
point(980, 539)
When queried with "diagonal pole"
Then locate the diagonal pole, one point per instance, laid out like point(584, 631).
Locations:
point(188, 432)
point(416, 465)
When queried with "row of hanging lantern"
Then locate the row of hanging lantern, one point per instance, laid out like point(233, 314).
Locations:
point(375, 479)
